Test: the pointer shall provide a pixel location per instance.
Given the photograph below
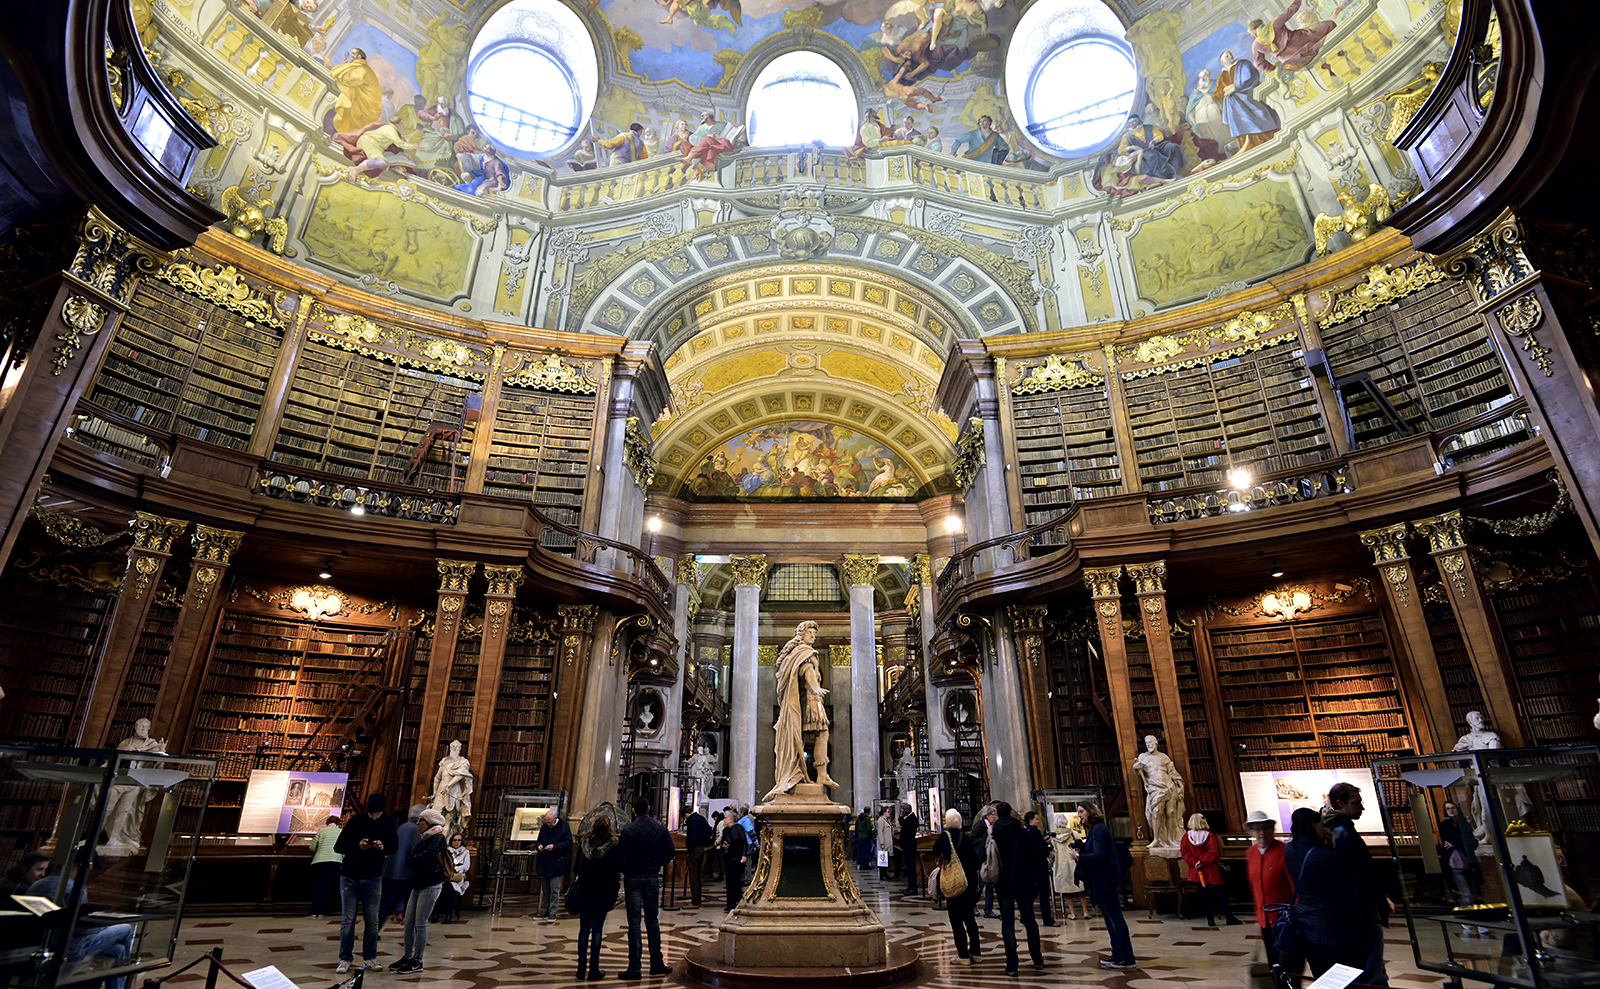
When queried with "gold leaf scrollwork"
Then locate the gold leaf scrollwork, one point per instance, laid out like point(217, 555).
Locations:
point(222, 286)
point(69, 530)
point(1383, 286)
point(970, 458)
point(748, 570)
point(551, 374)
point(144, 568)
point(636, 454)
point(205, 581)
point(83, 319)
point(1519, 320)
point(859, 569)
point(1399, 579)
point(1055, 374)
point(497, 611)
point(1455, 567)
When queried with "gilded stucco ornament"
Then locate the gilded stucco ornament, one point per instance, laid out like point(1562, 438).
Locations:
point(222, 286)
point(636, 453)
point(245, 216)
point(1494, 261)
point(970, 458)
point(859, 570)
point(1388, 544)
point(1519, 320)
point(69, 530)
point(81, 318)
point(454, 575)
point(748, 570)
point(1360, 218)
point(551, 374)
point(1055, 374)
point(802, 229)
point(1382, 286)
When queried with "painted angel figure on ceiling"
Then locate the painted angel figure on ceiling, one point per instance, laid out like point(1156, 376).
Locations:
point(704, 13)
point(1276, 45)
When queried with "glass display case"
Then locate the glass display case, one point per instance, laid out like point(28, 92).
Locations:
point(1502, 862)
point(1061, 806)
point(104, 895)
point(521, 813)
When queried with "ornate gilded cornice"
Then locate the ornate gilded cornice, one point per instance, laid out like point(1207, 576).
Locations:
point(154, 533)
point(1384, 285)
point(551, 373)
point(688, 570)
point(1492, 262)
point(454, 575)
point(1055, 374)
point(859, 569)
point(222, 286)
point(1539, 522)
point(1245, 332)
point(1388, 544)
point(636, 453)
point(213, 545)
point(108, 259)
point(921, 569)
point(748, 570)
point(970, 457)
point(69, 530)
point(1026, 619)
point(504, 580)
point(1148, 578)
point(578, 619)
point(360, 335)
point(1103, 582)
point(1445, 533)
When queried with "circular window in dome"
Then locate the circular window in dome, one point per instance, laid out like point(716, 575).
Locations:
point(799, 98)
point(532, 76)
point(1070, 76)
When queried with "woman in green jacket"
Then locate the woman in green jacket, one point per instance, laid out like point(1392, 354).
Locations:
point(325, 863)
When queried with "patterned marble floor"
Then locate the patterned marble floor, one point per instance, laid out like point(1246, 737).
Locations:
point(512, 949)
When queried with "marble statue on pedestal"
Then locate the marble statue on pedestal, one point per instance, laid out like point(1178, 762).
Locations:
point(702, 773)
point(800, 693)
point(126, 803)
point(452, 790)
point(905, 774)
point(1163, 797)
point(1480, 736)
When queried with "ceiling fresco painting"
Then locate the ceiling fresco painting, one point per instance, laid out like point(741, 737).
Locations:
point(802, 460)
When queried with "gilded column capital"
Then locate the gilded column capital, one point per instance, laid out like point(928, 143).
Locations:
point(578, 619)
point(1148, 578)
point(688, 570)
point(1103, 582)
point(109, 259)
point(748, 570)
point(1493, 261)
point(1388, 544)
point(922, 569)
point(213, 545)
point(1445, 532)
point(454, 574)
point(503, 580)
point(859, 569)
point(154, 533)
point(1026, 619)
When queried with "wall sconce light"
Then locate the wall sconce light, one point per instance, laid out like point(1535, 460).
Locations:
point(1239, 479)
point(952, 524)
point(654, 524)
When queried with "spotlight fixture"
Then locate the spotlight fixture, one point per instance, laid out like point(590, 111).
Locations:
point(327, 570)
point(358, 509)
point(1277, 569)
point(952, 524)
point(1239, 479)
point(654, 525)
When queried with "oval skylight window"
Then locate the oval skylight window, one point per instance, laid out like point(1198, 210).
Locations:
point(1070, 76)
point(532, 76)
point(801, 97)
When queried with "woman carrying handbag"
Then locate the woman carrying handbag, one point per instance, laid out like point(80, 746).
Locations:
point(1324, 924)
point(958, 881)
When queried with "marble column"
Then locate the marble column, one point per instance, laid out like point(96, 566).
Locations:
point(939, 736)
point(860, 573)
point(685, 593)
point(1416, 661)
point(749, 575)
point(1447, 542)
point(1005, 720)
point(454, 578)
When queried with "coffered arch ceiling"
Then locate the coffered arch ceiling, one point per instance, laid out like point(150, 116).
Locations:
point(809, 343)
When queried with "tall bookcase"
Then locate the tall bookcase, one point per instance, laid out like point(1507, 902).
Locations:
point(1086, 740)
point(1066, 450)
point(416, 689)
point(519, 740)
point(1205, 791)
point(1311, 694)
point(540, 454)
point(270, 684)
point(1142, 684)
point(149, 662)
point(359, 416)
point(1455, 666)
point(183, 366)
point(1190, 426)
point(1431, 356)
point(48, 640)
point(458, 698)
point(1553, 635)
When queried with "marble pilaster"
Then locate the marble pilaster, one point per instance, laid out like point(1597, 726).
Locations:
point(860, 575)
point(749, 575)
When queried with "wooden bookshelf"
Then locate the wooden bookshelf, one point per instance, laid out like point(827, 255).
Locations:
point(48, 642)
point(416, 689)
point(1087, 742)
point(359, 416)
point(183, 366)
point(1553, 635)
point(1192, 425)
point(1142, 684)
point(273, 684)
point(540, 454)
point(1430, 355)
point(462, 689)
point(1455, 666)
point(1205, 793)
point(519, 740)
point(1066, 450)
point(150, 654)
point(1311, 694)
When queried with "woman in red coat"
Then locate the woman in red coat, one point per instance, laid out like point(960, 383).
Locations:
point(1201, 849)
point(1270, 881)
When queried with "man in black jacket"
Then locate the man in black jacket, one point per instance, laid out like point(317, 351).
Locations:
point(554, 847)
point(645, 848)
point(1019, 864)
point(364, 843)
point(697, 839)
point(908, 847)
point(735, 850)
point(1344, 809)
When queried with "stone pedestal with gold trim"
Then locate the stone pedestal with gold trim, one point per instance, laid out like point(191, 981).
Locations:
point(802, 916)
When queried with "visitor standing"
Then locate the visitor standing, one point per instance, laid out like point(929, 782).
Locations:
point(697, 838)
point(645, 847)
point(1019, 863)
point(554, 855)
point(365, 842)
point(598, 882)
point(1329, 917)
point(1201, 849)
point(396, 873)
point(1100, 870)
point(955, 845)
point(885, 836)
point(449, 909)
point(982, 829)
point(426, 861)
point(734, 846)
point(1041, 881)
point(863, 839)
point(719, 821)
point(1269, 882)
point(1460, 848)
point(908, 847)
point(1344, 810)
point(325, 865)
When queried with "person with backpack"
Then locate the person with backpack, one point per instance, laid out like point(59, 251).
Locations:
point(959, 853)
point(426, 863)
point(1020, 865)
point(598, 882)
point(1101, 865)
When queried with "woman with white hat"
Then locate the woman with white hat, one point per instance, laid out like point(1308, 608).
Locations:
point(1269, 880)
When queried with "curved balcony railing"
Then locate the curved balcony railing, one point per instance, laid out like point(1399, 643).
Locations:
point(1053, 532)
